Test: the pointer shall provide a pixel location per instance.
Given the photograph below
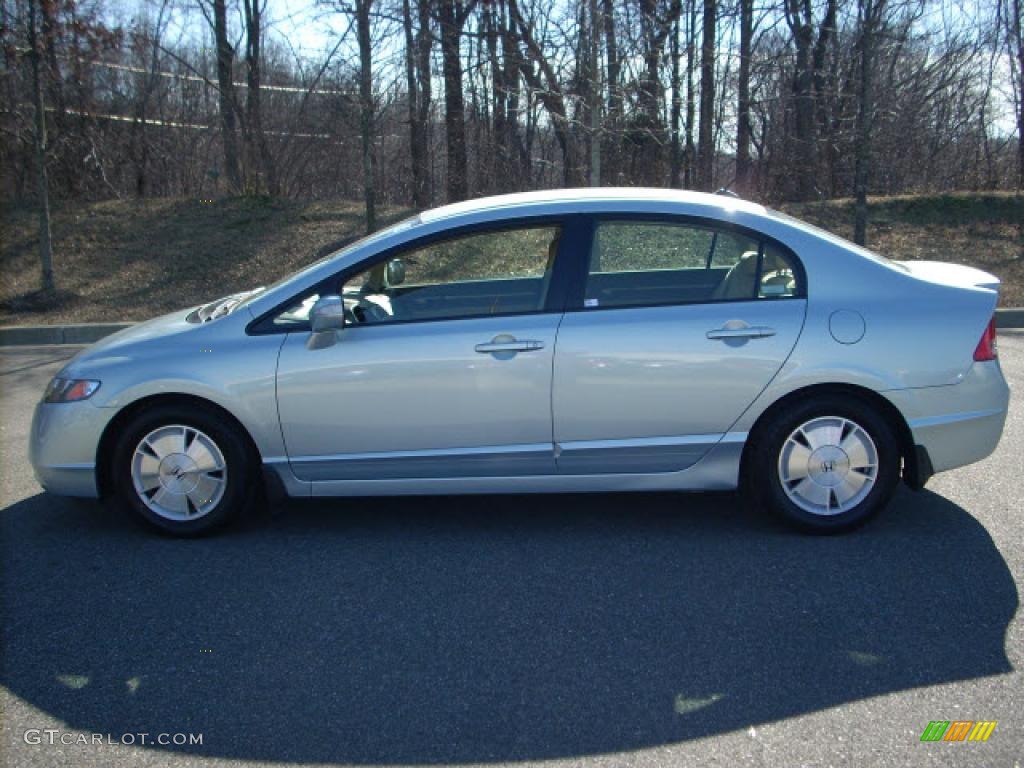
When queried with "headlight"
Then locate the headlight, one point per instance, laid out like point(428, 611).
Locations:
point(69, 390)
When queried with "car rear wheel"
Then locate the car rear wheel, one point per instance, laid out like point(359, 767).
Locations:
point(828, 465)
point(181, 470)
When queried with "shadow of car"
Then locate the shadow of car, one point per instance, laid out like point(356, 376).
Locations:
point(477, 629)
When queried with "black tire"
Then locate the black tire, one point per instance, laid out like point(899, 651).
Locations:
point(238, 475)
point(764, 486)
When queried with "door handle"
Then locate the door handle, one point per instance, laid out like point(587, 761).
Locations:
point(743, 332)
point(513, 345)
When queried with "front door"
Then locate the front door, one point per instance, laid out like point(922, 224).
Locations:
point(444, 370)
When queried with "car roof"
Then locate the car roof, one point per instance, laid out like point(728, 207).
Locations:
point(590, 198)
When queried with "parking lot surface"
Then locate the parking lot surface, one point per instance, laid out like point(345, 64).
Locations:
point(601, 630)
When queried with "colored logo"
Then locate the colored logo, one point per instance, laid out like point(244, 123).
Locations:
point(958, 730)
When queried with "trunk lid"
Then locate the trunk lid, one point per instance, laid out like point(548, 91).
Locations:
point(953, 275)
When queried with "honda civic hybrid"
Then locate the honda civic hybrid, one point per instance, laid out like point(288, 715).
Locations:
point(582, 341)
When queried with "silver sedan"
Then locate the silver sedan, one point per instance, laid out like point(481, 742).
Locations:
point(567, 341)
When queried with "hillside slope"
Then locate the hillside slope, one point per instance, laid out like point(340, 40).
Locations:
point(129, 260)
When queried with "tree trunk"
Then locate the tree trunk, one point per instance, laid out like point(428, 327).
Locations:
point(1019, 43)
point(804, 107)
point(497, 173)
point(650, 131)
point(253, 108)
point(705, 138)
point(613, 112)
point(870, 11)
point(366, 111)
point(676, 161)
point(594, 94)
point(513, 141)
point(690, 152)
point(39, 140)
point(743, 168)
point(807, 80)
point(452, 16)
point(226, 95)
point(417, 120)
point(140, 137)
point(424, 45)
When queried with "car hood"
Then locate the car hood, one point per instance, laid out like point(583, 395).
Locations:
point(119, 347)
point(116, 346)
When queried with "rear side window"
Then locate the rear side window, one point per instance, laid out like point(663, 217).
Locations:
point(646, 263)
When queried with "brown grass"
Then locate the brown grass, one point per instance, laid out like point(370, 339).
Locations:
point(129, 260)
point(984, 230)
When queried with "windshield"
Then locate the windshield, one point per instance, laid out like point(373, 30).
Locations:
point(360, 243)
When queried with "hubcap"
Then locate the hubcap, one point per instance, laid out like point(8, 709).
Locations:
point(179, 472)
point(828, 465)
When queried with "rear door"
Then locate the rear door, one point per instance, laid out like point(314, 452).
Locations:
point(678, 327)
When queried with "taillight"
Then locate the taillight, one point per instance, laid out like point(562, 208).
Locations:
point(986, 349)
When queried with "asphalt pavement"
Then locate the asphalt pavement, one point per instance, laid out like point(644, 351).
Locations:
point(600, 630)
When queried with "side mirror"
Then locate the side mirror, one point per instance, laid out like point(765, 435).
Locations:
point(327, 314)
point(396, 272)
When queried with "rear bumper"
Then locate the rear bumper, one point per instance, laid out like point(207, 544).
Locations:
point(957, 424)
point(62, 446)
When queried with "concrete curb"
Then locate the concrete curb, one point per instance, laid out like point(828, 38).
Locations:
point(1010, 318)
point(42, 335)
point(87, 333)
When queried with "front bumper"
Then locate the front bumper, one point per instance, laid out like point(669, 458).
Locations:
point(957, 424)
point(62, 446)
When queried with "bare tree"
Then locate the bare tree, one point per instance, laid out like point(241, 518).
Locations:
point(743, 165)
point(362, 11)
point(452, 16)
point(690, 150)
point(705, 138)
point(676, 158)
point(512, 146)
point(226, 94)
point(255, 137)
point(1016, 50)
point(417, 73)
point(613, 83)
point(536, 95)
point(552, 96)
point(39, 141)
point(870, 13)
point(811, 39)
point(148, 82)
point(594, 92)
point(656, 22)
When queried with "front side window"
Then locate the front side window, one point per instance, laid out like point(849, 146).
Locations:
point(485, 273)
point(645, 263)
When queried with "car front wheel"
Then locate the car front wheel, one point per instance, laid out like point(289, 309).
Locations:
point(827, 465)
point(181, 470)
